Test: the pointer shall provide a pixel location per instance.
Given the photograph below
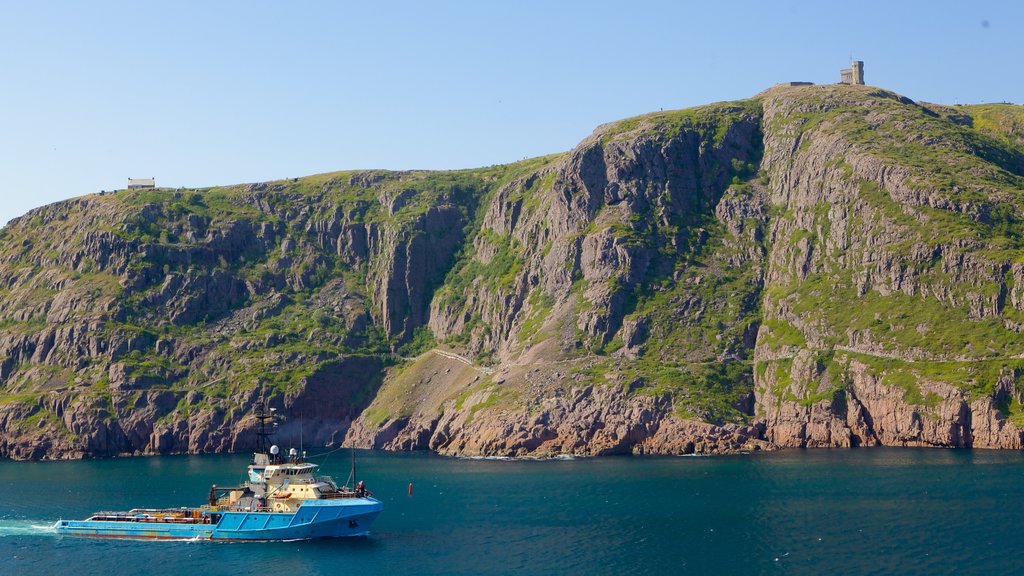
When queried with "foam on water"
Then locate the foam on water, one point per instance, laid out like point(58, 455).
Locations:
point(26, 528)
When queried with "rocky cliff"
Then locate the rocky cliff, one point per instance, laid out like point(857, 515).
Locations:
point(816, 266)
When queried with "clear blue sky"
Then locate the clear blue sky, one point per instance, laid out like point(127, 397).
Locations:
point(206, 93)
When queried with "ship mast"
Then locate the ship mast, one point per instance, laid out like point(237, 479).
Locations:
point(263, 415)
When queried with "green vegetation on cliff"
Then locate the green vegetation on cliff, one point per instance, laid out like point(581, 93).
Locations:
point(796, 252)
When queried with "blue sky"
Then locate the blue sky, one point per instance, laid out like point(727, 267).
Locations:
point(206, 93)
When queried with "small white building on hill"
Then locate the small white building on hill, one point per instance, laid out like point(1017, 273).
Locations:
point(141, 183)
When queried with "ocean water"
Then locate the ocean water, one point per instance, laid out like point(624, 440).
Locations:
point(862, 511)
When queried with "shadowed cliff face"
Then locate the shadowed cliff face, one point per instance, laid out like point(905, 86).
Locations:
point(818, 266)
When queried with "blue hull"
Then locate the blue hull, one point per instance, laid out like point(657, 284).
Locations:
point(314, 519)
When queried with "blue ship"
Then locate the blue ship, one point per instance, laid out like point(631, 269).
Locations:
point(282, 499)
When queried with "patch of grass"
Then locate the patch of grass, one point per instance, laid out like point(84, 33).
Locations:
point(422, 340)
point(978, 378)
point(540, 304)
point(711, 122)
point(1001, 121)
point(1014, 412)
point(376, 416)
point(781, 334)
point(899, 321)
point(499, 396)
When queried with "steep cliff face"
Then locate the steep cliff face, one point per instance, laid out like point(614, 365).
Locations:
point(817, 266)
point(893, 316)
point(151, 321)
point(614, 293)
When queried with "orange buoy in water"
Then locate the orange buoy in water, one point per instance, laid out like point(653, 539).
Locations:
point(410, 488)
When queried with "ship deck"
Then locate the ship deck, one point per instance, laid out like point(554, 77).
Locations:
point(314, 519)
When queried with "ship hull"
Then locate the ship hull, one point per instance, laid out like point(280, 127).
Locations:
point(313, 519)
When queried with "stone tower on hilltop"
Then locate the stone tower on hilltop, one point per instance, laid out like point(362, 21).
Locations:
point(854, 74)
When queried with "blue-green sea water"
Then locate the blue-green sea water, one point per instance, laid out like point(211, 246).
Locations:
point(862, 511)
